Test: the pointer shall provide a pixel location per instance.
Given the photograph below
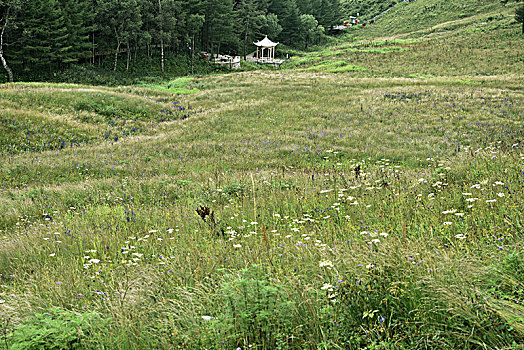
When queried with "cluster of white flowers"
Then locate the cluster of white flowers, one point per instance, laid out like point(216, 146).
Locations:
point(327, 264)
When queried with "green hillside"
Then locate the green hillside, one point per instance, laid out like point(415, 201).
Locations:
point(367, 8)
point(413, 16)
point(367, 195)
point(427, 38)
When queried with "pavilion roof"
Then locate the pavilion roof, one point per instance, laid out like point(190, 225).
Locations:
point(265, 43)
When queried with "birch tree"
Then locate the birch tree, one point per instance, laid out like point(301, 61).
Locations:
point(121, 20)
point(9, 10)
point(194, 25)
point(166, 24)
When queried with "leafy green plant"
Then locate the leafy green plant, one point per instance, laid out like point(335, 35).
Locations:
point(236, 190)
point(255, 310)
point(57, 329)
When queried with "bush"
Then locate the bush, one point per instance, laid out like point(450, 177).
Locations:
point(256, 311)
point(143, 71)
point(56, 329)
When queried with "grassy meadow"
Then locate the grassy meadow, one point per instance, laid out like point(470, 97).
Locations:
point(367, 195)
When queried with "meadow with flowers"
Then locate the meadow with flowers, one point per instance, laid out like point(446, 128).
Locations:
point(311, 207)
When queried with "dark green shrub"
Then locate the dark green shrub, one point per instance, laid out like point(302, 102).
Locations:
point(255, 311)
point(236, 190)
point(56, 329)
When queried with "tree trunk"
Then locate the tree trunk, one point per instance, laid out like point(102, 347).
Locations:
point(2, 58)
point(245, 39)
point(161, 37)
point(192, 54)
point(128, 57)
point(117, 50)
point(162, 54)
point(116, 55)
point(93, 48)
point(6, 67)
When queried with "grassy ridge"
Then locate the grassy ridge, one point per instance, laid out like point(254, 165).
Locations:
point(429, 38)
point(373, 208)
point(39, 118)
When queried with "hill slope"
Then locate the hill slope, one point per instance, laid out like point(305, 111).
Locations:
point(427, 38)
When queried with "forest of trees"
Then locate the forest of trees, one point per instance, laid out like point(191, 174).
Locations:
point(41, 37)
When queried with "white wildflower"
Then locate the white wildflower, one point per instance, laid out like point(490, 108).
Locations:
point(327, 286)
point(328, 264)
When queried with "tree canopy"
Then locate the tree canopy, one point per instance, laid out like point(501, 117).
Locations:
point(45, 36)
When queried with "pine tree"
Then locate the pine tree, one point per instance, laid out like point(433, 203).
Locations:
point(78, 19)
point(311, 7)
point(249, 19)
point(289, 18)
point(330, 13)
point(44, 37)
point(218, 26)
point(58, 35)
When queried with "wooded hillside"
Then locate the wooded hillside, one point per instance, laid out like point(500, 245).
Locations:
point(42, 37)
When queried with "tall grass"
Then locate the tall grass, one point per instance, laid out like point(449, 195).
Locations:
point(274, 209)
